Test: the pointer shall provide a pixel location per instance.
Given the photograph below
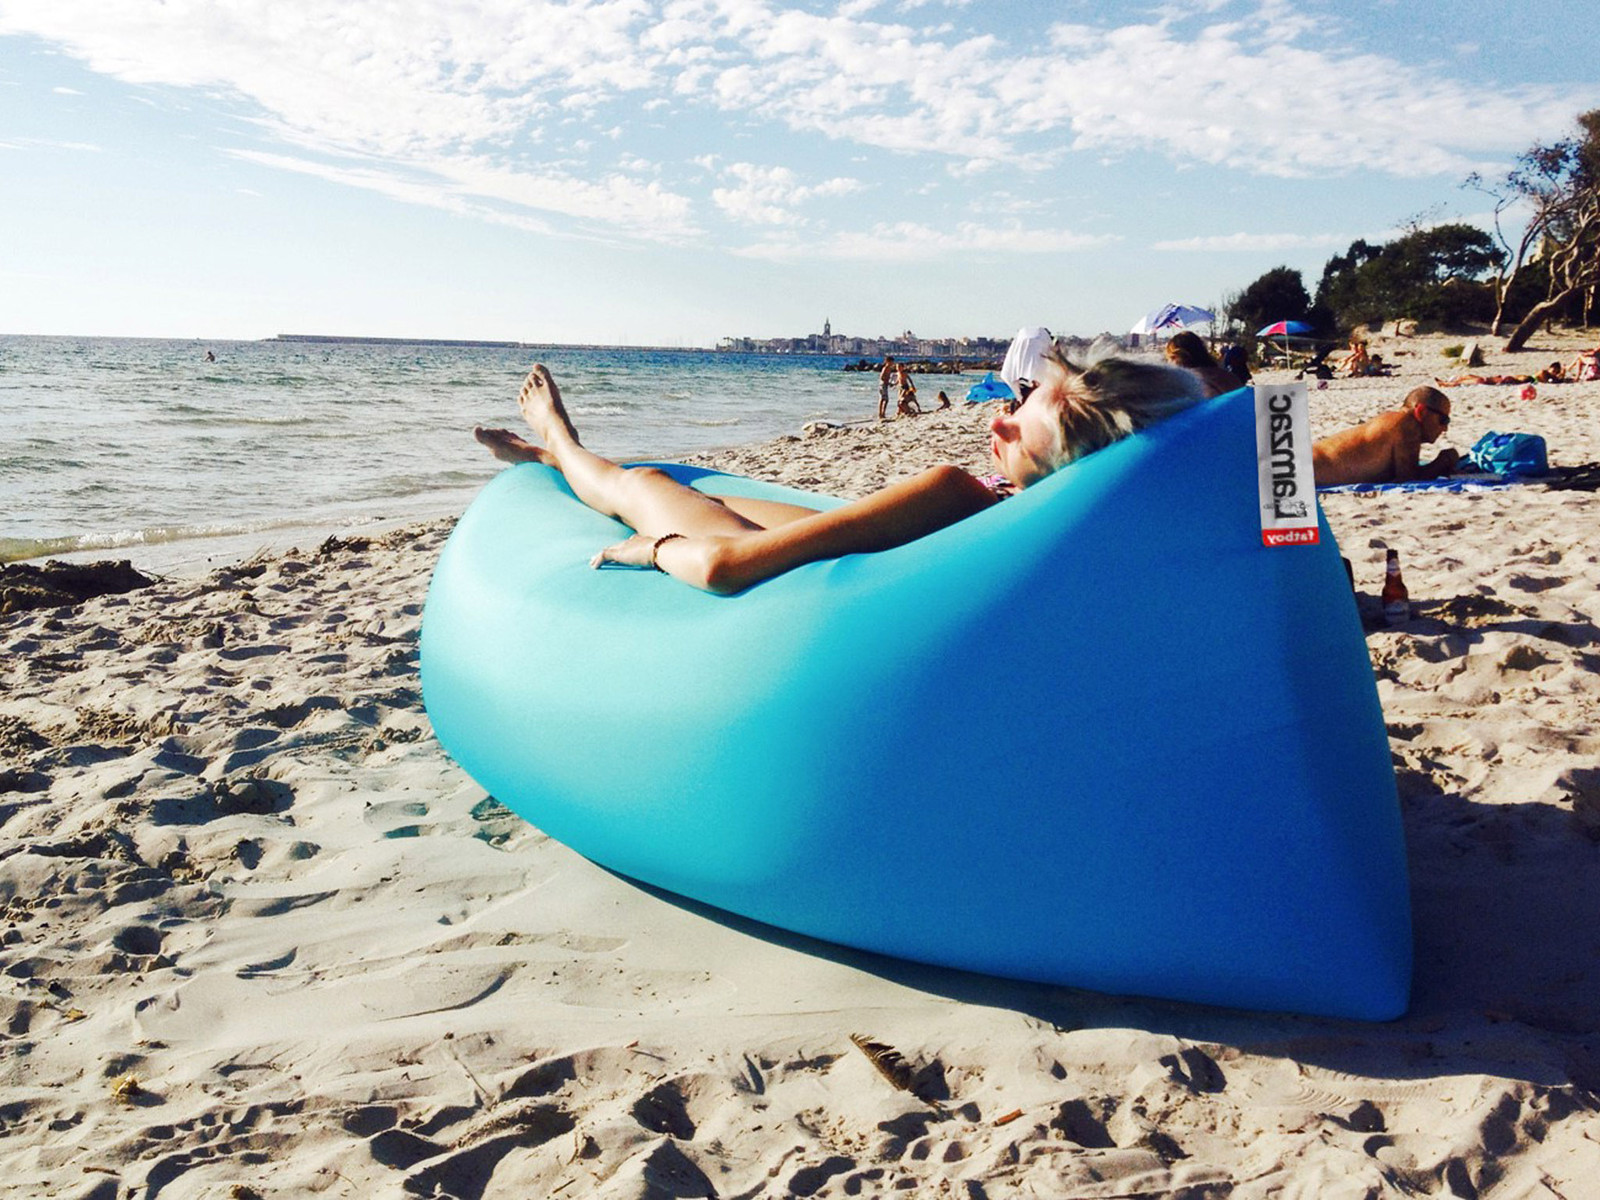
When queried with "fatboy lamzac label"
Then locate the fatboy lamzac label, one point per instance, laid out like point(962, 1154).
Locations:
point(1283, 464)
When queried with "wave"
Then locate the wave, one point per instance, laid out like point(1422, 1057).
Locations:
point(404, 486)
point(221, 419)
point(20, 549)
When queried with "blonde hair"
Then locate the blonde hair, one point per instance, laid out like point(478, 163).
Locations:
point(1107, 399)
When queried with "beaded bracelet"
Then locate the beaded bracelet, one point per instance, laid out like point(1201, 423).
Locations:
point(656, 549)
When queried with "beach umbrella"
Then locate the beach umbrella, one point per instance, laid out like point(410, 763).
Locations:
point(1285, 330)
point(1173, 316)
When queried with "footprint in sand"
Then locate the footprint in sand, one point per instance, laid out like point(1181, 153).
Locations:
point(294, 712)
point(465, 1169)
point(1083, 1122)
point(1534, 583)
point(1195, 1070)
point(665, 1109)
point(252, 794)
point(808, 1181)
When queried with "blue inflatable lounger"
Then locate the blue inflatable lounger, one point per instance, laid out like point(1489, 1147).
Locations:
point(1096, 735)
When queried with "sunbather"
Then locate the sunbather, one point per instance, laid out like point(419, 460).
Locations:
point(1387, 449)
point(1473, 378)
point(1357, 361)
point(1554, 373)
point(727, 544)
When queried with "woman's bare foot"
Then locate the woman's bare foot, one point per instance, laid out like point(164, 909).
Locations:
point(540, 402)
point(512, 448)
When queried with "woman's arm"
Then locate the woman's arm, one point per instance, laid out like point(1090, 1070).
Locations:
point(900, 513)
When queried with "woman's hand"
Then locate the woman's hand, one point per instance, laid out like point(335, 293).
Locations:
point(636, 551)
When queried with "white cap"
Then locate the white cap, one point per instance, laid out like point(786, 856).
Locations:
point(1025, 355)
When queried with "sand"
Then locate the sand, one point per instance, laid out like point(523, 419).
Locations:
point(260, 937)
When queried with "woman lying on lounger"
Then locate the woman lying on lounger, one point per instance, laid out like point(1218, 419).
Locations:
point(726, 544)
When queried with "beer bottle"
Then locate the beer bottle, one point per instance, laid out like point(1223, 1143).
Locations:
point(1396, 600)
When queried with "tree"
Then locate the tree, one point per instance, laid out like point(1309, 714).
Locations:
point(1431, 275)
point(1355, 286)
point(1279, 295)
point(1509, 278)
point(1560, 183)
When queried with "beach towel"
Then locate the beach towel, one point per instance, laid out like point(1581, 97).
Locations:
point(1450, 483)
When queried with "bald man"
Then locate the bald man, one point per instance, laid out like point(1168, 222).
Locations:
point(1388, 448)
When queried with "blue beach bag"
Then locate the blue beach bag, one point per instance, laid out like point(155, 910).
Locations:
point(1510, 454)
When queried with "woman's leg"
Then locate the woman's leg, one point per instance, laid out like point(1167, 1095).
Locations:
point(646, 499)
point(511, 447)
point(767, 514)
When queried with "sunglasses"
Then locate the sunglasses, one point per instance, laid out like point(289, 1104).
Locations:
point(1025, 388)
point(1444, 417)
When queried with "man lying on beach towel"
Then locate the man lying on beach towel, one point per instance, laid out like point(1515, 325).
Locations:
point(1388, 448)
point(1554, 373)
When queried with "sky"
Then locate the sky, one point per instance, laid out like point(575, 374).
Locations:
point(671, 172)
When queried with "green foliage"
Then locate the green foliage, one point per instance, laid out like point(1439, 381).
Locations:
point(1279, 295)
point(1449, 275)
point(1434, 276)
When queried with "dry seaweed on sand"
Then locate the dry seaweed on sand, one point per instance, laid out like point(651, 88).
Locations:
point(59, 584)
point(926, 1083)
point(889, 1062)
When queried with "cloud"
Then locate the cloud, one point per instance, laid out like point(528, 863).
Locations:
point(1258, 242)
point(49, 144)
point(908, 241)
point(771, 195)
point(1247, 95)
point(498, 107)
point(463, 185)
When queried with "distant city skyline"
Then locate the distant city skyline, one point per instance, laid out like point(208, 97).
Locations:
point(826, 343)
point(850, 345)
point(677, 172)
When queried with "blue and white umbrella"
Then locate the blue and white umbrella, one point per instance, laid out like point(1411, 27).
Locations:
point(1173, 316)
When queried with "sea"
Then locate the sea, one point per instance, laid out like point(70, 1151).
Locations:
point(145, 449)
